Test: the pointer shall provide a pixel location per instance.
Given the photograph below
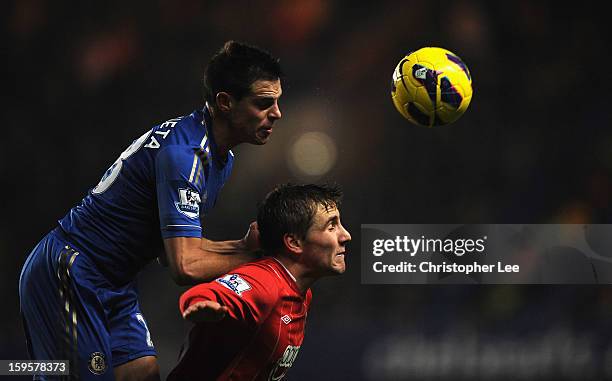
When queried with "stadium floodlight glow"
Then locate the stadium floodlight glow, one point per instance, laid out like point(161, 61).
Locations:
point(312, 155)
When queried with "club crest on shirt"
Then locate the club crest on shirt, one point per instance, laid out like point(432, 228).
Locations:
point(235, 283)
point(188, 203)
point(97, 363)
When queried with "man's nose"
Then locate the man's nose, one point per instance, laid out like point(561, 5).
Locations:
point(275, 112)
point(345, 236)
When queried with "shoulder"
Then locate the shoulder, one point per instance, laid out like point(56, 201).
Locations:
point(267, 269)
point(183, 130)
point(257, 276)
point(178, 140)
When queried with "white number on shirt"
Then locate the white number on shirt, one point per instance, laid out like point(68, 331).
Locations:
point(111, 174)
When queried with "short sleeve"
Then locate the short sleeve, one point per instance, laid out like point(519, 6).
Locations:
point(180, 186)
point(249, 295)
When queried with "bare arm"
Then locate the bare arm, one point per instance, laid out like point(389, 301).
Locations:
point(197, 260)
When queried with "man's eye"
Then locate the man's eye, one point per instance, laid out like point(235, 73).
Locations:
point(264, 103)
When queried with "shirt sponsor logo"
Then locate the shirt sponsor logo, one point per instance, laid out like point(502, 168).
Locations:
point(284, 363)
point(188, 203)
point(235, 283)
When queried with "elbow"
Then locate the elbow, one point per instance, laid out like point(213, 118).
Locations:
point(190, 267)
point(181, 275)
point(185, 274)
point(183, 256)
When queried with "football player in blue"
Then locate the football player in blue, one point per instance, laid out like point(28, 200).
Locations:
point(78, 286)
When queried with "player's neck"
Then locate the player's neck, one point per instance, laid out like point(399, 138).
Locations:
point(304, 282)
point(302, 279)
point(221, 136)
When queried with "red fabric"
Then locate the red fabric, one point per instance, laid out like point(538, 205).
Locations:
point(260, 337)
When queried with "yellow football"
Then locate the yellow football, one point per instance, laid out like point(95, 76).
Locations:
point(431, 87)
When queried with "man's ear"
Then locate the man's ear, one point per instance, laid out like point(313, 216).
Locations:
point(224, 101)
point(292, 244)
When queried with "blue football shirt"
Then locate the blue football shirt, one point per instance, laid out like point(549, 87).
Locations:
point(157, 188)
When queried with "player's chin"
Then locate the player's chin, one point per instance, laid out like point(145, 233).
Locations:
point(339, 265)
point(259, 142)
point(262, 136)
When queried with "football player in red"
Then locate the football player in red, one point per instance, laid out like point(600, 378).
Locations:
point(250, 322)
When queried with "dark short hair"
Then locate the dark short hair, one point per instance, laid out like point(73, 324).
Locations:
point(290, 209)
point(235, 67)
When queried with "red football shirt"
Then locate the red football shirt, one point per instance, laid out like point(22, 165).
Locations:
point(259, 338)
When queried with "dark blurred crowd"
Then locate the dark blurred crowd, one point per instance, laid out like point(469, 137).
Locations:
point(83, 79)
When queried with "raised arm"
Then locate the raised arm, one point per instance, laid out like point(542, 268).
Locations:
point(182, 189)
point(196, 260)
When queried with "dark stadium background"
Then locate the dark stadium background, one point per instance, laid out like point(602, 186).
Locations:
point(83, 79)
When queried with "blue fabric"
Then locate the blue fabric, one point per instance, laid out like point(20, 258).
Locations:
point(159, 187)
point(72, 312)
